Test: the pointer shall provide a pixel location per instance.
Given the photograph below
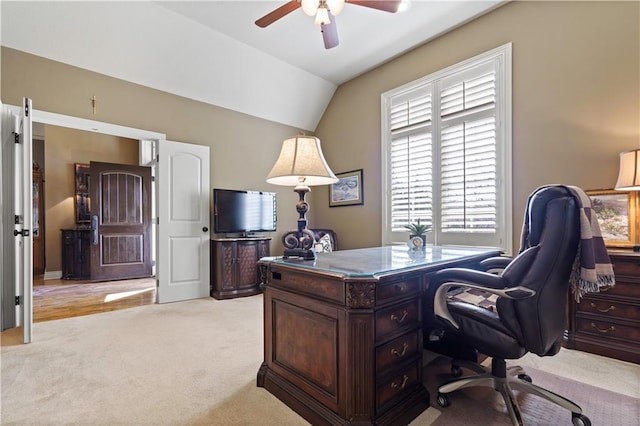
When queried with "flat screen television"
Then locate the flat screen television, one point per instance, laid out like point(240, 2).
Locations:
point(243, 212)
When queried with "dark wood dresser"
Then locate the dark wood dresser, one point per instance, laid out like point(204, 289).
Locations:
point(608, 323)
point(234, 268)
point(343, 334)
point(76, 264)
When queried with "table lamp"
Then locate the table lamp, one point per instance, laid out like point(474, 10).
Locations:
point(629, 177)
point(301, 165)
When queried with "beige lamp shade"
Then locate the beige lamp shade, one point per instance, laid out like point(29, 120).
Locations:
point(301, 163)
point(629, 174)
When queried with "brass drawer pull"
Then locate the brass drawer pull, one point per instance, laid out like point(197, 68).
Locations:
point(405, 379)
point(404, 350)
point(399, 320)
point(612, 328)
point(610, 308)
point(401, 287)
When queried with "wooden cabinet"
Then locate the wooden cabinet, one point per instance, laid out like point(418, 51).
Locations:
point(234, 268)
point(75, 254)
point(608, 323)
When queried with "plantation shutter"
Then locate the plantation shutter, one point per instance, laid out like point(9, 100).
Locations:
point(446, 154)
point(468, 162)
point(410, 156)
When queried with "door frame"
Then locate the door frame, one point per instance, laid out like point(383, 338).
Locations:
point(77, 123)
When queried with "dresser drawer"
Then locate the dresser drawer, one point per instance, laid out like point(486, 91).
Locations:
point(609, 308)
point(627, 268)
point(389, 292)
point(397, 318)
point(398, 351)
point(609, 329)
point(395, 385)
point(622, 288)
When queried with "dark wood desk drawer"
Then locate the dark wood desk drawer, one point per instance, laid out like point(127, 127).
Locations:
point(609, 329)
point(608, 308)
point(395, 385)
point(388, 292)
point(628, 268)
point(397, 351)
point(398, 317)
point(622, 288)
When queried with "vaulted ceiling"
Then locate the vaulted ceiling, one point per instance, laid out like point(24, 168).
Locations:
point(212, 51)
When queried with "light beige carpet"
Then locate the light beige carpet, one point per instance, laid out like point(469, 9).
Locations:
point(190, 362)
point(184, 363)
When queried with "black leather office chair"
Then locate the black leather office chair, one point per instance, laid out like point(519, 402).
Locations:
point(531, 308)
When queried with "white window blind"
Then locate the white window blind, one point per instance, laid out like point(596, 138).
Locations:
point(411, 159)
point(446, 154)
point(468, 181)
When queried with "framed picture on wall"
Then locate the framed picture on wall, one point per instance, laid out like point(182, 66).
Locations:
point(82, 201)
point(617, 216)
point(348, 190)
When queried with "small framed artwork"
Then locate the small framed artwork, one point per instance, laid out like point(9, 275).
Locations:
point(348, 190)
point(82, 205)
point(616, 212)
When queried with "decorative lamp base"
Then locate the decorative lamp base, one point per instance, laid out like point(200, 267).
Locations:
point(298, 253)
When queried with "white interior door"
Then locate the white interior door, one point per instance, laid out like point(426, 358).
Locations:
point(183, 216)
point(10, 124)
point(23, 222)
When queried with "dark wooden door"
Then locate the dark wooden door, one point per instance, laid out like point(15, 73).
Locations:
point(120, 220)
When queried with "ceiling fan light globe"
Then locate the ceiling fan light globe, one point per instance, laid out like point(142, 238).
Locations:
point(404, 5)
point(322, 17)
point(310, 7)
point(335, 6)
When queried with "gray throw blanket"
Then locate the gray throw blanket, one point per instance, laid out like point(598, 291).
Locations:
point(592, 267)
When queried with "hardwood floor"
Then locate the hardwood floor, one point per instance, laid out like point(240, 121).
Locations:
point(56, 299)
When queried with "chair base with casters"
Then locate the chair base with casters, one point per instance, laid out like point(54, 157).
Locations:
point(505, 380)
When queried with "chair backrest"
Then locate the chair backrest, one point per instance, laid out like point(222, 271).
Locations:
point(544, 264)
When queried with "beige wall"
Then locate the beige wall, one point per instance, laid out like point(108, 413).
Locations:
point(576, 103)
point(576, 98)
point(63, 148)
point(243, 148)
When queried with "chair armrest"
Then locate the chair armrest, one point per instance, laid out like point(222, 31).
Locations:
point(495, 265)
point(458, 277)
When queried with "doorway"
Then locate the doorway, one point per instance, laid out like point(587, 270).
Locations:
point(182, 238)
point(60, 151)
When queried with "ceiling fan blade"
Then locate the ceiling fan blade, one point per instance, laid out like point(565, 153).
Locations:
point(278, 13)
point(385, 5)
point(330, 34)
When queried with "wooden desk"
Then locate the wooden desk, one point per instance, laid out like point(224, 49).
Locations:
point(343, 334)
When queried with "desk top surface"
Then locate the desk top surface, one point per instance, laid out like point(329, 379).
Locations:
point(380, 261)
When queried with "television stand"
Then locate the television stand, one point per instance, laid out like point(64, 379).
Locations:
point(250, 235)
point(234, 268)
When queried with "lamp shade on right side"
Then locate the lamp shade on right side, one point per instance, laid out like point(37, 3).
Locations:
point(629, 174)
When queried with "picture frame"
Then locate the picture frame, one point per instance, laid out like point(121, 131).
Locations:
point(82, 204)
point(617, 216)
point(348, 191)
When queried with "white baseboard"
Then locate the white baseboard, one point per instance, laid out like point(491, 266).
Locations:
point(52, 275)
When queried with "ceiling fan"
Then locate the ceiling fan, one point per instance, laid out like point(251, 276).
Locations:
point(321, 10)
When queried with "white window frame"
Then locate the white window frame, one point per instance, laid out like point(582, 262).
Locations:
point(504, 232)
